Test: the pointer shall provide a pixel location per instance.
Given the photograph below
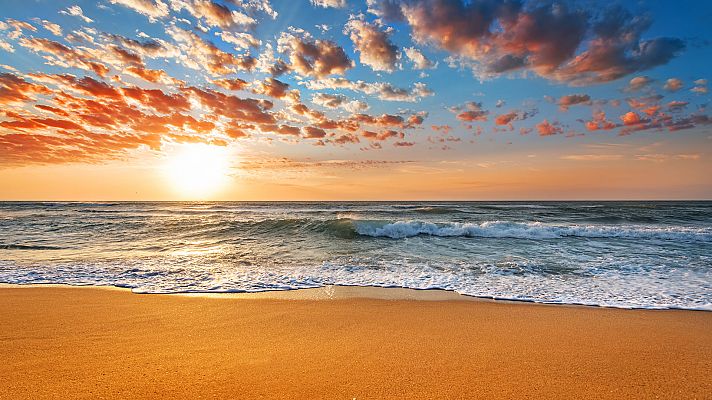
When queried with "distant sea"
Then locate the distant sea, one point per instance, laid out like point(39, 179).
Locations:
point(617, 254)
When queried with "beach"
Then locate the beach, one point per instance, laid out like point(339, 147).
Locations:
point(88, 342)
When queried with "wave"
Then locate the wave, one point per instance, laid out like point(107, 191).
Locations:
point(437, 210)
point(350, 228)
point(527, 230)
point(27, 247)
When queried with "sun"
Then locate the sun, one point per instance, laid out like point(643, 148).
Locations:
point(198, 171)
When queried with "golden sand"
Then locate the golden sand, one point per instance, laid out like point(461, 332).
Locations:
point(61, 342)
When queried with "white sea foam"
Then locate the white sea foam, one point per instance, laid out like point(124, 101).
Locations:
point(657, 289)
point(529, 230)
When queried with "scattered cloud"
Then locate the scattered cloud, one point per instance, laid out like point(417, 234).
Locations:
point(573, 99)
point(329, 3)
point(418, 59)
point(150, 8)
point(314, 57)
point(638, 83)
point(382, 90)
point(76, 11)
point(339, 101)
point(673, 85)
point(546, 128)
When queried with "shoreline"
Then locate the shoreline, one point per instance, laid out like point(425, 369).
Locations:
point(345, 292)
point(89, 342)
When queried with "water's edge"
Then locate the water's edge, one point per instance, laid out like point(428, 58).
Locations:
point(348, 292)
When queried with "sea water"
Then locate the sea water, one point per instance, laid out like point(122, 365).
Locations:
point(617, 254)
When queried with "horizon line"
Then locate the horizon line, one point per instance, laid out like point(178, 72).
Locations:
point(356, 201)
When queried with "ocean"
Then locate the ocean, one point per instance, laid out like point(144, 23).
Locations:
point(614, 254)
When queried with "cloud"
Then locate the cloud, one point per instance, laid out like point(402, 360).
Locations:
point(637, 83)
point(6, 46)
point(386, 9)
point(151, 9)
point(273, 88)
point(673, 85)
point(14, 89)
point(55, 29)
point(253, 6)
point(418, 59)
point(471, 112)
point(506, 119)
point(382, 136)
point(215, 14)
point(101, 126)
point(500, 37)
point(158, 100)
point(699, 89)
point(382, 90)
point(59, 118)
point(318, 58)
point(346, 139)
point(545, 128)
point(311, 132)
point(386, 120)
point(329, 3)
point(572, 99)
point(64, 56)
point(642, 102)
point(17, 28)
point(76, 11)
point(540, 38)
point(618, 50)
point(199, 54)
point(339, 101)
point(153, 48)
point(241, 40)
point(232, 84)
point(151, 75)
point(677, 105)
point(374, 45)
point(599, 122)
point(630, 118)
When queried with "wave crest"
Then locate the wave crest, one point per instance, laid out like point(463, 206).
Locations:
point(528, 230)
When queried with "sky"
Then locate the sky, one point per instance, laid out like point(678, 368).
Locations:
point(354, 100)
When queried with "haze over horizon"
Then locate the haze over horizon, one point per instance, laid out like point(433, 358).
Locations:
point(354, 100)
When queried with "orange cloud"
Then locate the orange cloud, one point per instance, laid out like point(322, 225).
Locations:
point(570, 100)
point(545, 128)
point(599, 122)
point(630, 118)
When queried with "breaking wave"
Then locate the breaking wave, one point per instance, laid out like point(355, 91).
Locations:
point(528, 230)
point(349, 228)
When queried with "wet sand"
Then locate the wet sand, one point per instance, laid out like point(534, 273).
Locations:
point(341, 343)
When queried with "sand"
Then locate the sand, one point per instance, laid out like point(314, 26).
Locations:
point(62, 342)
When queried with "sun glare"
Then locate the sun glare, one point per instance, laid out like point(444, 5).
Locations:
point(197, 171)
